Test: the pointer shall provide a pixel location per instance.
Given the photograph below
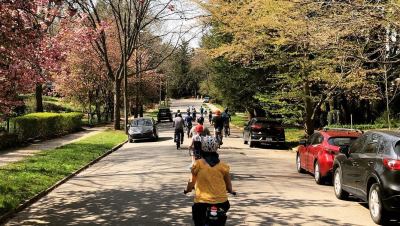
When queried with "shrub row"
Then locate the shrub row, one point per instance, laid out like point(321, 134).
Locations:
point(46, 125)
point(7, 140)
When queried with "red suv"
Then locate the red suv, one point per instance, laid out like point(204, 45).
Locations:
point(316, 154)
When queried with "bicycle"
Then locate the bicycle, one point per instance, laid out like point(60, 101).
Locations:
point(214, 214)
point(188, 130)
point(218, 135)
point(227, 131)
point(178, 138)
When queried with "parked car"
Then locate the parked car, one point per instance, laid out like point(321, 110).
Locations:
point(206, 99)
point(316, 154)
point(142, 128)
point(370, 170)
point(261, 130)
point(164, 114)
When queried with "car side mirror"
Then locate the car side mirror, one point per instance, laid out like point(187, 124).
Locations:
point(345, 150)
point(303, 142)
point(128, 125)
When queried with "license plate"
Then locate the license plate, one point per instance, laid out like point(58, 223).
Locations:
point(268, 139)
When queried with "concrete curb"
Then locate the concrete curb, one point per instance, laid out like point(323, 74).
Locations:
point(5, 217)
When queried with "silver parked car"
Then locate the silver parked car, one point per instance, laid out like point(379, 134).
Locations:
point(142, 129)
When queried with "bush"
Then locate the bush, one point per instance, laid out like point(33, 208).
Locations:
point(7, 140)
point(47, 125)
point(51, 107)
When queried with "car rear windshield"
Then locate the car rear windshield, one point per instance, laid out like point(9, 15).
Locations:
point(142, 122)
point(341, 141)
point(164, 110)
point(397, 148)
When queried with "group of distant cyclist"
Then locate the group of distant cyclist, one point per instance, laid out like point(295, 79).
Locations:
point(210, 176)
point(220, 122)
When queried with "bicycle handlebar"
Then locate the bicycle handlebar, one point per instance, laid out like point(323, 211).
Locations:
point(232, 193)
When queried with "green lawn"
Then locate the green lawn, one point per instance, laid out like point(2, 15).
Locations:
point(24, 179)
point(293, 136)
point(239, 119)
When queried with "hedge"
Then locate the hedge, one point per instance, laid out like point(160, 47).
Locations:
point(47, 125)
point(7, 140)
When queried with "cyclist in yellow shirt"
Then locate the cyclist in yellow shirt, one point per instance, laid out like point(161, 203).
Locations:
point(211, 180)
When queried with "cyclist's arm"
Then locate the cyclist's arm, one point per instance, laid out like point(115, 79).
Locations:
point(228, 182)
point(191, 183)
point(191, 145)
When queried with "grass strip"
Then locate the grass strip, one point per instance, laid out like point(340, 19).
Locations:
point(22, 180)
point(293, 136)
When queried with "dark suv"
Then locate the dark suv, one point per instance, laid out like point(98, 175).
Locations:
point(262, 130)
point(164, 114)
point(370, 170)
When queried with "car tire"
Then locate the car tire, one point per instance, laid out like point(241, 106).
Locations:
point(376, 209)
point(251, 143)
point(298, 164)
point(338, 185)
point(317, 174)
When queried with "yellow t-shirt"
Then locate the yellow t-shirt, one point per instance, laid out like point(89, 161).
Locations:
point(210, 184)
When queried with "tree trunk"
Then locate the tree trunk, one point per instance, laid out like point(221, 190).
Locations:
point(309, 122)
point(117, 104)
point(90, 109)
point(98, 111)
point(39, 97)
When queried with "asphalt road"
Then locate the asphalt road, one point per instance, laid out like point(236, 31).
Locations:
point(142, 184)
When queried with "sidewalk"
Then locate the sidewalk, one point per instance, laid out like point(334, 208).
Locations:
point(15, 155)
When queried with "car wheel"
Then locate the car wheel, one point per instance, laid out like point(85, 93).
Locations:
point(251, 143)
point(317, 174)
point(298, 164)
point(337, 185)
point(376, 209)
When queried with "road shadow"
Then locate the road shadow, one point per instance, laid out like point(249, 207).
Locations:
point(160, 139)
point(114, 207)
point(165, 205)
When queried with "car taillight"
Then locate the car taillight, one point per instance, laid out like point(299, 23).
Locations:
point(256, 126)
point(392, 164)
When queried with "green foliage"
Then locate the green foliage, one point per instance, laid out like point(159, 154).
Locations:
point(184, 78)
point(46, 125)
point(22, 180)
point(363, 126)
point(50, 104)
